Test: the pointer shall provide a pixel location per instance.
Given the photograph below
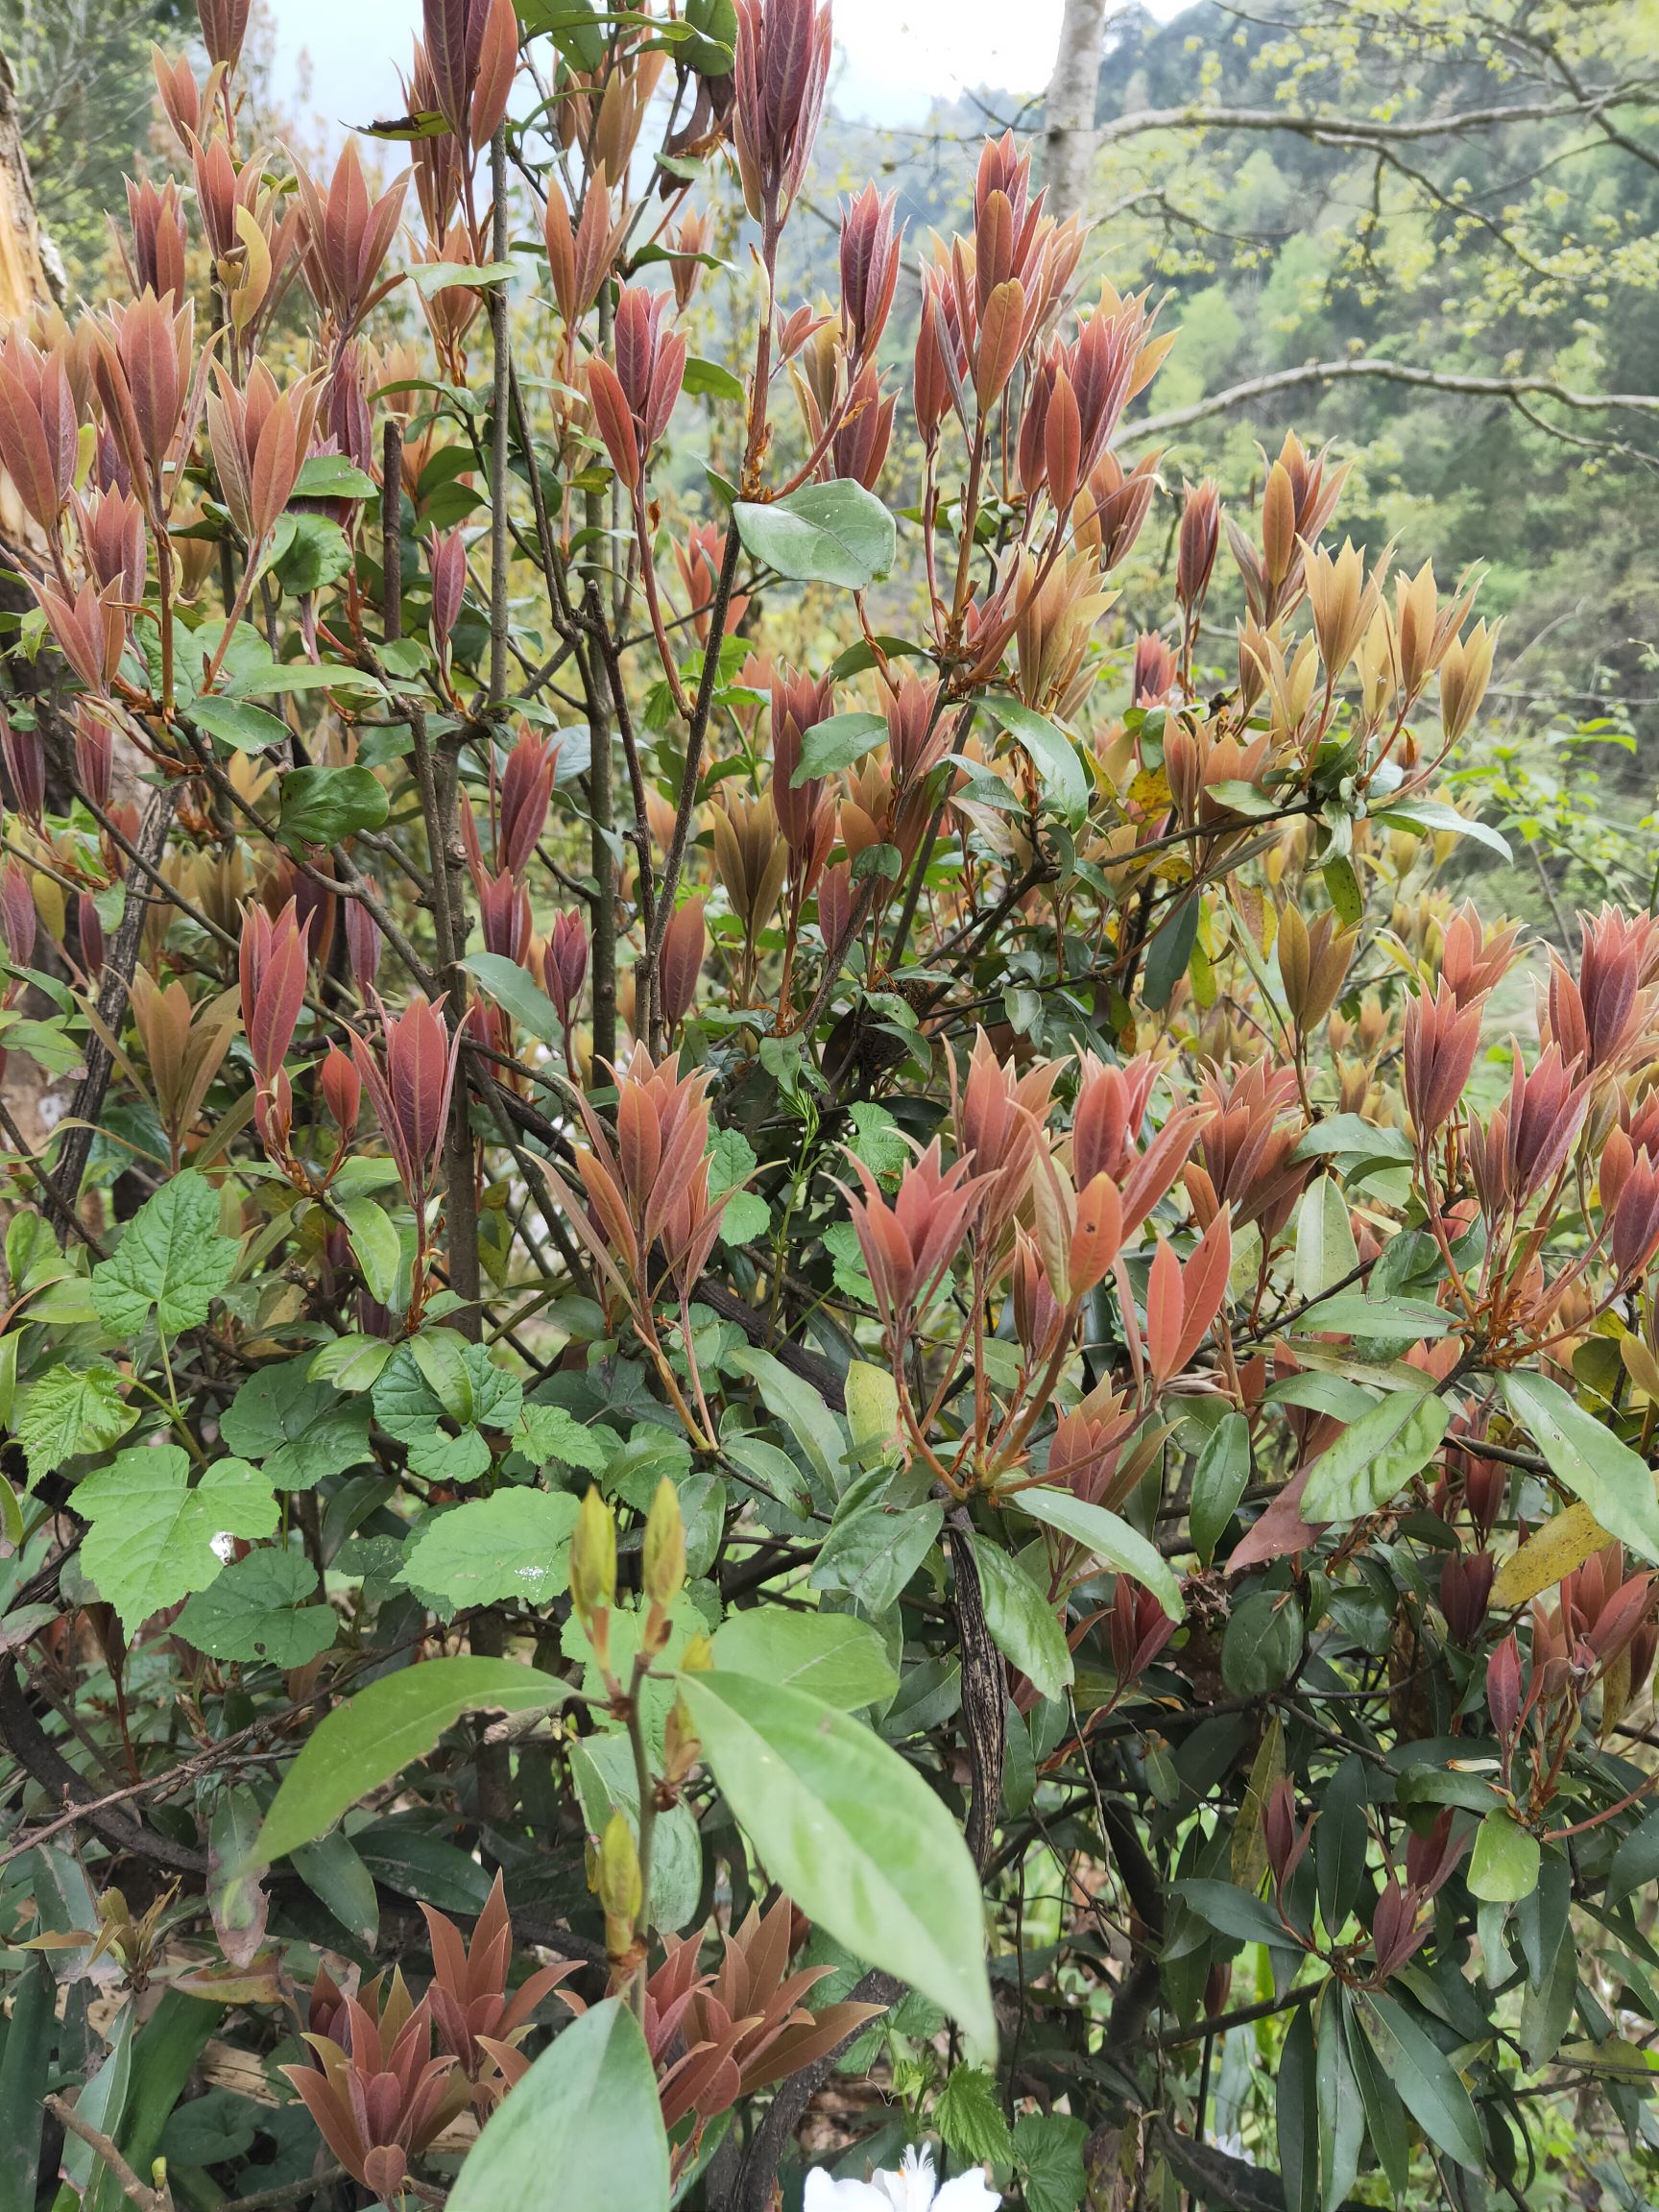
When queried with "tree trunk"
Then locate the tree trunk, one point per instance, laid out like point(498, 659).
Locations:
point(1069, 124)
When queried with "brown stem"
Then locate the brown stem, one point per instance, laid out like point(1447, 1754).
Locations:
point(750, 2188)
point(499, 427)
point(29, 1745)
point(601, 802)
point(136, 2192)
point(486, 1640)
point(695, 735)
point(114, 986)
point(58, 1207)
point(392, 529)
point(984, 1697)
point(460, 1167)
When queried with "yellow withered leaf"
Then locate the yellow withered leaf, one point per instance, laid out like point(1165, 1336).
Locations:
point(1547, 1555)
point(1248, 1865)
point(1640, 1366)
point(1149, 793)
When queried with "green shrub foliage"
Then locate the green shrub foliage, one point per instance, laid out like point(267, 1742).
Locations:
point(801, 1312)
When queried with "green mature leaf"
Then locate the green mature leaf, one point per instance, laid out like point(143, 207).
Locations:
point(1372, 1461)
point(1355, 1314)
point(1341, 2112)
point(770, 1469)
point(150, 1534)
point(1427, 2082)
point(25, 2066)
point(505, 982)
point(375, 1245)
point(1636, 1862)
point(372, 1736)
point(732, 1162)
point(837, 743)
point(67, 1411)
point(332, 1870)
point(553, 1433)
point(332, 476)
point(1110, 1538)
point(710, 379)
point(1612, 1481)
point(834, 1656)
point(1342, 882)
point(1349, 1136)
point(171, 1257)
point(1059, 769)
point(1048, 2159)
point(275, 680)
point(970, 2117)
point(872, 1398)
point(1022, 1620)
point(588, 2113)
point(1171, 951)
point(1218, 1482)
point(800, 1410)
point(1476, 1793)
point(515, 1544)
point(432, 277)
point(400, 1854)
point(216, 2127)
point(1231, 1912)
point(1326, 1252)
point(237, 723)
point(1546, 2011)
point(102, 2103)
point(1296, 2096)
point(351, 1363)
point(1384, 2115)
point(298, 1429)
point(1434, 815)
point(854, 1834)
point(410, 1408)
point(834, 533)
point(308, 552)
point(871, 1554)
point(1341, 1836)
point(256, 1610)
point(709, 50)
point(322, 805)
point(1503, 1868)
point(1263, 1643)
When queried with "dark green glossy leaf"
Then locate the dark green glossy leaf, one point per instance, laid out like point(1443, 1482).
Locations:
point(1297, 2098)
point(1427, 2082)
point(323, 806)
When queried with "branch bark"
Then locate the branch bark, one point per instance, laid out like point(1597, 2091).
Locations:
point(1511, 388)
point(136, 2192)
point(29, 1745)
point(1353, 129)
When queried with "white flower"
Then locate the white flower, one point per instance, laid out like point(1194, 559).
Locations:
point(912, 2189)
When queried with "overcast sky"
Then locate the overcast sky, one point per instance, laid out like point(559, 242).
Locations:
point(895, 54)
